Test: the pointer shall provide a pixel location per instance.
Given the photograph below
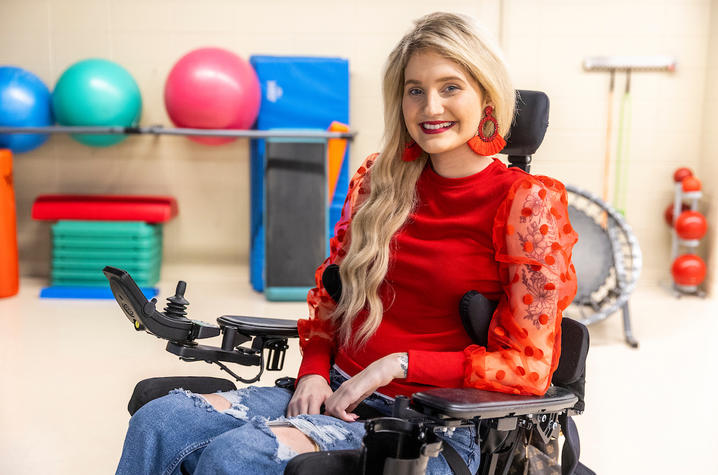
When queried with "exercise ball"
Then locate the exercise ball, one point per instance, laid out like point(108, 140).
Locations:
point(668, 213)
point(97, 92)
point(24, 102)
point(212, 88)
point(681, 173)
point(688, 270)
point(690, 183)
point(691, 225)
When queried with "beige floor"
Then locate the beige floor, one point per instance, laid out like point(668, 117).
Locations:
point(68, 368)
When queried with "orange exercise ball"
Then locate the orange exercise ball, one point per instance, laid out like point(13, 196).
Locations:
point(691, 225)
point(688, 270)
point(690, 183)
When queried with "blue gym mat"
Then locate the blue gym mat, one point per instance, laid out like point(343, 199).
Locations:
point(297, 93)
point(82, 292)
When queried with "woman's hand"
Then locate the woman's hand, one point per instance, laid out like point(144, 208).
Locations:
point(311, 392)
point(355, 390)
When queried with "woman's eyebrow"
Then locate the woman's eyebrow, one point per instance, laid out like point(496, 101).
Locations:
point(445, 78)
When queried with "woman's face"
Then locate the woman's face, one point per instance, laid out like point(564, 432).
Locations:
point(442, 104)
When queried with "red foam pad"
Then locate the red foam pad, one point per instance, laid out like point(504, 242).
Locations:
point(150, 209)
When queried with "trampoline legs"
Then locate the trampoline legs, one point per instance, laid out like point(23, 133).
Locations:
point(628, 333)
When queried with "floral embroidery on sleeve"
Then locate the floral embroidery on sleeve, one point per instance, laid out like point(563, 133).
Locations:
point(533, 239)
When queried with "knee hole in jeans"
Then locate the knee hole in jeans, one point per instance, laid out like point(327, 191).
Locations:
point(217, 401)
point(295, 439)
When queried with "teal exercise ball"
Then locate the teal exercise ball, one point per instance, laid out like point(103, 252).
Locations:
point(97, 92)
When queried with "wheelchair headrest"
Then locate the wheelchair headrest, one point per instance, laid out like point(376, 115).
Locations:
point(529, 125)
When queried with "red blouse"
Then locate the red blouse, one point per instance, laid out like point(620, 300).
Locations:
point(502, 232)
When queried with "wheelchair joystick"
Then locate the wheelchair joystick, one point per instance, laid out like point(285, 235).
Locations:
point(177, 304)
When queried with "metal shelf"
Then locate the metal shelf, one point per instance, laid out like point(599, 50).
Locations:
point(161, 130)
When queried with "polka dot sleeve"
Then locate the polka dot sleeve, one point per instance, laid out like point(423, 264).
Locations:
point(533, 239)
point(316, 333)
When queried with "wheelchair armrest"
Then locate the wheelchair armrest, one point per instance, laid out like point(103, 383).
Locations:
point(468, 403)
point(259, 326)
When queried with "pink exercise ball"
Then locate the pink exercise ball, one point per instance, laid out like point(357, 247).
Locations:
point(212, 88)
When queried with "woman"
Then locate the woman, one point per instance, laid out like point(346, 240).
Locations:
point(427, 219)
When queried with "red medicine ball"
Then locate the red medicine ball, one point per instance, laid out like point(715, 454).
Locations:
point(691, 225)
point(688, 270)
point(681, 173)
point(668, 213)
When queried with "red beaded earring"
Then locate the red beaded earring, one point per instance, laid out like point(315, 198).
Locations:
point(412, 151)
point(483, 145)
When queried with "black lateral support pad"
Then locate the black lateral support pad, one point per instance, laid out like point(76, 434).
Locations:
point(574, 350)
point(476, 313)
point(467, 403)
point(332, 282)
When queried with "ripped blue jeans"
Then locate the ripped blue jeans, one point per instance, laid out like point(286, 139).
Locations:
point(182, 433)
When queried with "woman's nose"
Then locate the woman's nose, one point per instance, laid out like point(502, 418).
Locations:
point(434, 104)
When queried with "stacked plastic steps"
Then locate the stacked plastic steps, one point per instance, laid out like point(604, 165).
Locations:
point(81, 249)
point(92, 232)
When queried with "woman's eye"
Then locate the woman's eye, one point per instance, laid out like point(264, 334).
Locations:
point(452, 88)
point(414, 91)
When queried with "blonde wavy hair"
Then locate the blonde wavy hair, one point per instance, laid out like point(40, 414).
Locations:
point(393, 181)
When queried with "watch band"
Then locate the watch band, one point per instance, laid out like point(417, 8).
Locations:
point(404, 363)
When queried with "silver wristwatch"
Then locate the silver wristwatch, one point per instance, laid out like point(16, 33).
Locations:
point(404, 364)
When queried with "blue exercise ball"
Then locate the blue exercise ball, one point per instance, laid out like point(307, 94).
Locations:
point(24, 102)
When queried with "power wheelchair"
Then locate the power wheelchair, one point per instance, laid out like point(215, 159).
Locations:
point(505, 424)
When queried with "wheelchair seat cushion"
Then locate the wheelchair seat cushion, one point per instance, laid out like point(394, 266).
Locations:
point(153, 388)
point(346, 462)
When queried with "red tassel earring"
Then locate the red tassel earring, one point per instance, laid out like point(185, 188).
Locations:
point(483, 145)
point(412, 151)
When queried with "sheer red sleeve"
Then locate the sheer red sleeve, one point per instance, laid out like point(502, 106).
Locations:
point(533, 239)
point(316, 333)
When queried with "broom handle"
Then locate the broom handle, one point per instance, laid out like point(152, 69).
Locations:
point(607, 157)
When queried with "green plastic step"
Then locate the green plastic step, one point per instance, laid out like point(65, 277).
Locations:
point(99, 283)
point(151, 242)
point(130, 265)
point(106, 254)
point(116, 229)
point(64, 276)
